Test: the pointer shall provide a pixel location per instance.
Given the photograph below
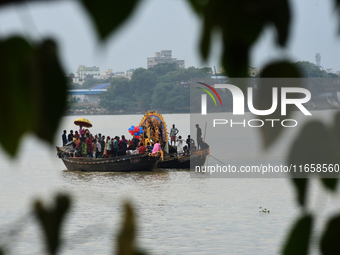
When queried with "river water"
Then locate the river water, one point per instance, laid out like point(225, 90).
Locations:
point(177, 214)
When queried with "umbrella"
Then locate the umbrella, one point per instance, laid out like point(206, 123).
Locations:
point(83, 122)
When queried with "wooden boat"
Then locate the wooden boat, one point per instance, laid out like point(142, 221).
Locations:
point(126, 163)
point(172, 161)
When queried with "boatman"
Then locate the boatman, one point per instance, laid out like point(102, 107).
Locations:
point(173, 132)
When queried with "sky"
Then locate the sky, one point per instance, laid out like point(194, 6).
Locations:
point(166, 25)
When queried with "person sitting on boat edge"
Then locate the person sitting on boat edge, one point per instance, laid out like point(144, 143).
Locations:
point(156, 148)
point(149, 147)
point(63, 138)
point(186, 150)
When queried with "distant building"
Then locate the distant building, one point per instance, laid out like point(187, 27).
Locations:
point(119, 74)
point(84, 72)
point(129, 73)
point(85, 95)
point(252, 71)
point(108, 72)
point(165, 56)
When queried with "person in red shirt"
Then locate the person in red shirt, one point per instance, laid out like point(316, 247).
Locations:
point(142, 148)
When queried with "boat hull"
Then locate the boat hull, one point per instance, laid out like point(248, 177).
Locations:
point(185, 162)
point(127, 163)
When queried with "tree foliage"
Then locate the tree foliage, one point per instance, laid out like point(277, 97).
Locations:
point(164, 87)
point(35, 90)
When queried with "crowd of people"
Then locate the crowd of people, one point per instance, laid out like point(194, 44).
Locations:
point(99, 146)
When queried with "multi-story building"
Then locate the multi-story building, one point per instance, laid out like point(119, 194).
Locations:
point(129, 73)
point(165, 56)
point(119, 74)
point(84, 72)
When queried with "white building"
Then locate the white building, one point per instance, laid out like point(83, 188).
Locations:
point(165, 56)
point(84, 72)
point(119, 74)
point(129, 73)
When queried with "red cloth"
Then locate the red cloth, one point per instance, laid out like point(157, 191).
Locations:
point(142, 149)
point(88, 143)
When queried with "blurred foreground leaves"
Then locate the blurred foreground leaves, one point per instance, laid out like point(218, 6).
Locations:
point(35, 91)
point(107, 16)
point(240, 24)
point(279, 74)
point(299, 238)
point(51, 220)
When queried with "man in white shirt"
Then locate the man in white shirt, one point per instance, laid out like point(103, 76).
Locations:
point(173, 132)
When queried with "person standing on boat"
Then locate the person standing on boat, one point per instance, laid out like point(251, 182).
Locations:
point(123, 146)
point(70, 136)
point(199, 136)
point(189, 142)
point(88, 144)
point(173, 132)
point(63, 137)
point(135, 141)
point(81, 130)
point(115, 146)
point(180, 144)
point(94, 148)
point(99, 148)
point(109, 146)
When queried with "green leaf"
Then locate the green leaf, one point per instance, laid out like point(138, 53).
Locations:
point(277, 74)
point(15, 108)
point(299, 237)
point(280, 17)
point(126, 237)
point(109, 15)
point(301, 189)
point(330, 244)
point(48, 90)
point(51, 220)
point(312, 146)
point(35, 89)
point(329, 183)
point(240, 33)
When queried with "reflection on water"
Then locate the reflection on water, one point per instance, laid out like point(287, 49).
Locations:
point(176, 214)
